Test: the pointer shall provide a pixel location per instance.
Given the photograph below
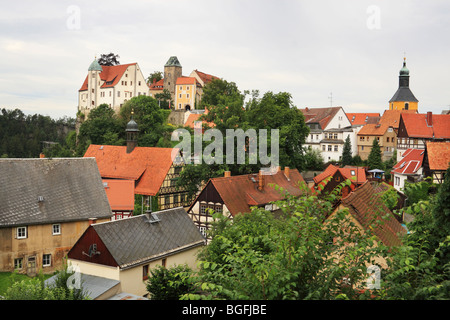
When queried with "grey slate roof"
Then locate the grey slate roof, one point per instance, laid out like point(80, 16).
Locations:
point(404, 94)
point(135, 240)
point(93, 286)
point(71, 188)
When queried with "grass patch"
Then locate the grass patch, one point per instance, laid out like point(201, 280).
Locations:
point(8, 278)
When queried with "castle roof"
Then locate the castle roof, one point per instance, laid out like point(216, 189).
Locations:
point(173, 62)
point(110, 75)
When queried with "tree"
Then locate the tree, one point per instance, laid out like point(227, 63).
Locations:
point(300, 254)
point(347, 152)
point(169, 283)
point(313, 159)
point(154, 77)
point(110, 59)
point(374, 161)
point(164, 99)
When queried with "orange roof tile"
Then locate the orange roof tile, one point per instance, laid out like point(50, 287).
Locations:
point(206, 78)
point(120, 194)
point(187, 80)
point(392, 117)
point(158, 85)
point(360, 118)
point(357, 175)
point(239, 193)
point(438, 154)
point(416, 126)
point(367, 207)
point(373, 129)
point(146, 166)
point(111, 75)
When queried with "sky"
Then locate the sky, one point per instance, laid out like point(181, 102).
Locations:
point(323, 52)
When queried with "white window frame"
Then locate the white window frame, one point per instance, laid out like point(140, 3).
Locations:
point(18, 232)
point(46, 260)
point(56, 229)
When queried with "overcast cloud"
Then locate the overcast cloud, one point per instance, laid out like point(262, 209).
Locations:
point(353, 48)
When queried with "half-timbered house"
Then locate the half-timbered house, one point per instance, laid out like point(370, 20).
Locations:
point(436, 160)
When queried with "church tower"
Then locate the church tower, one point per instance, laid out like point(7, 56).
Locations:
point(403, 99)
point(172, 71)
point(132, 134)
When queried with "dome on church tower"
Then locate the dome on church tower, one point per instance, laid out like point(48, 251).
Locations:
point(404, 71)
point(95, 66)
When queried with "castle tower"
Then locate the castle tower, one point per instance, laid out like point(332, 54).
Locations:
point(403, 99)
point(172, 71)
point(93, 79)
point(132, 134)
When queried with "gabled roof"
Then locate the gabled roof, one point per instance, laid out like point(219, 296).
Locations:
point(367, 207)
point(357, 175)
point(361, 118)
point(438, 154)
point(417, 126)
point(411, 162)
point(320, 115)
point(139, 239)
point(145, 165)
point(373, 130)
point(111, 75)
point(206, 78)
point(392, 117)
point(157, 85)
point(71, 190)
point(241, 192)
point(120, 194)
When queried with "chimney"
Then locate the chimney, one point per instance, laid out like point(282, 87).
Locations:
point(429, 118)
point(41, 155)
point(278, 169)
point(287, 172)
point(227, 174)
point(260, 181)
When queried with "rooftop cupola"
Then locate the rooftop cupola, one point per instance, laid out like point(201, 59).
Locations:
point(132, 131)
point(95, 66)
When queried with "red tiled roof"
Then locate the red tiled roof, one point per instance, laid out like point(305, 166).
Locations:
point(411, 162)
point(367, 207)
point(417, 127)
point(206, 78)
point(357, 175)
point(120, 194)
point(146, 166)
point(187, 80)
point(239, 193)
point(319, 115)
point(158, 85)
point(195, 117)
point(373, 129)
point(360, 118)
point(392, 117)
point(438, 154)
point(110, 74)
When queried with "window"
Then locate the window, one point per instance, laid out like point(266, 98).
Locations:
point(387, 139)
point(406, 106)
point(118, 93)
point(352, 172)
point(187, 88)
point(56, 229)
point(323, 147)
point(218, 208)
point(139, 83)
point(181, 88)
point(187, 95)
point(167, 199)
point(202, 230)
point(335, 148)
point(21, 233)
point(317, 137)
point(163, 262)
point(362, 148)
point(46, 260)
point(335, 136)
point(361, 138)
point(180, 95)
point(18, 263)
point(378, 139)
point(203, 208)
point(145, 272)
point(330, 147)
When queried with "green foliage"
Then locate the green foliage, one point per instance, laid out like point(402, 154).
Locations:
point(374, 161)
point(347, 152)
point(417, 191)
point(313, 159)
point(22, 136)
point(169, 283)
point(294, 256)
point(390, 197)
point(164, 99)
point(154, 77)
